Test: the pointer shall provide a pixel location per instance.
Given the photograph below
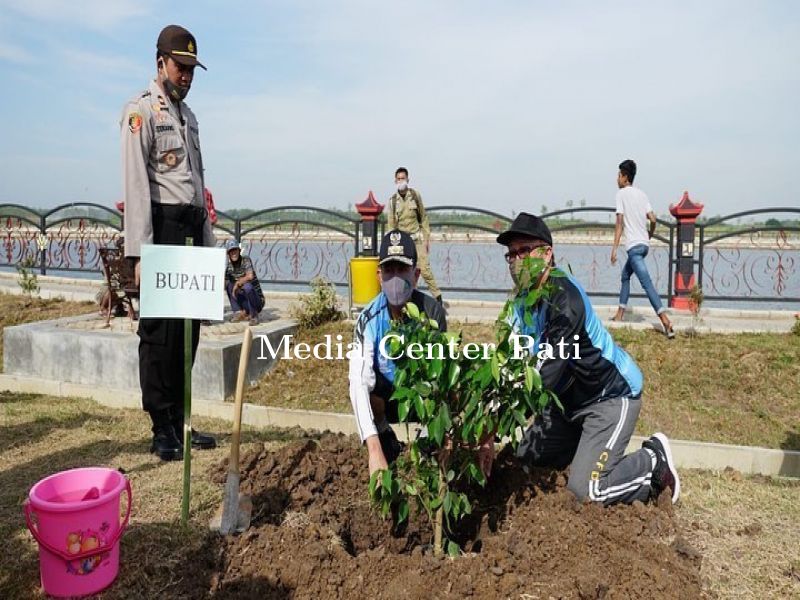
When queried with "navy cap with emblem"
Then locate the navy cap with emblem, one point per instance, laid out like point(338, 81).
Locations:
point(398, 246)
point(179, 44)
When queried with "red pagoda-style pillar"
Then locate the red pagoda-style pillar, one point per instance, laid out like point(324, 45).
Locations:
point(686, 213)
point(369, 210)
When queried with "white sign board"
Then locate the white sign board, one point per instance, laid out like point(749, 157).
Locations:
point(182, 282)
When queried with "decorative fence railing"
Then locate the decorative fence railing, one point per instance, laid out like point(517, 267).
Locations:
point(294, 244)
point(741, 262)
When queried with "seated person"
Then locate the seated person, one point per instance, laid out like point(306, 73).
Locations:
point(371, 373)
point(242, 286)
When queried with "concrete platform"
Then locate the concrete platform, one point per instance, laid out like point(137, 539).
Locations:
point(82, 351)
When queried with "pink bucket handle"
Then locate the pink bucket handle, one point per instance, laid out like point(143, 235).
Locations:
point(86, 554)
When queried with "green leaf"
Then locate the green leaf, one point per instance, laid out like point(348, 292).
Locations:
point(386, 480)
point(452, 375)
point(430, 407)
point(402, 511)
point(451, 475)
point(419, 406)
point(436, 367)
point(414, 455)
point(495, 368)
point(411, 490)
point(556, 400)
point(403, 408)
point(423, 388)
point(412, 310)
point(436, 503)
point(433, 323)
point(435, 431)
point(448, 502)
point(373, 483)
point(528, 319)
point(453, 549)
point(444, 417)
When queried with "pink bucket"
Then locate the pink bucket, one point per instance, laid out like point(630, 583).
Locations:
point(74, 515)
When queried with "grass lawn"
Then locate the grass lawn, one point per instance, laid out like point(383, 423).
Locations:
point(746, 528)
point(41, 435)
point(16, 310)
point(735, 389)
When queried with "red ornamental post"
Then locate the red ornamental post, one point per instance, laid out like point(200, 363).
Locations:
point(369, 210)
point(686, 213)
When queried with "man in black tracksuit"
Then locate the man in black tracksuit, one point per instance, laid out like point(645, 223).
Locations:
point(598, 383)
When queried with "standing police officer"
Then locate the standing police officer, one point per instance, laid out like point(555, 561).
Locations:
point(407, 213)
point(162, 174)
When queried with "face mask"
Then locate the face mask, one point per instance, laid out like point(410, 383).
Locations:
point(175, 92)
point(398, 289)
point(402, 186)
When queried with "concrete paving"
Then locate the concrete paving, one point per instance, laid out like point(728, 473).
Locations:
point(711, 320)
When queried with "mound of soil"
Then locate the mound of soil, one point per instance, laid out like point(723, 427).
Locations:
point(315, 535)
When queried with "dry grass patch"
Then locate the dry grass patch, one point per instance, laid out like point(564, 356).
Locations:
point(41, 435)
point(736, 389)
point(16, 310)
point(747, 529)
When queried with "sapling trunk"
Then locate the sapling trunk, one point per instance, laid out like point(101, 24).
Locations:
point(437, 525)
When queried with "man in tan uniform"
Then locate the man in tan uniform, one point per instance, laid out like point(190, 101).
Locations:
point(407, 213)
point(162, 175)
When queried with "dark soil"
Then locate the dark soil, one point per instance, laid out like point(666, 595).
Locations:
point(314, 535)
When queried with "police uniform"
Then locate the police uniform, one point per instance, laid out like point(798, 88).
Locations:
point(163, 195)
point(407, 213)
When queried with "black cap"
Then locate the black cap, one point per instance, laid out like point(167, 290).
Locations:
point(528, 225)
point(179, 44)
point(398, 246)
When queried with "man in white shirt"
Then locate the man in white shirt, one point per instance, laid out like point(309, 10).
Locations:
point(636, 217)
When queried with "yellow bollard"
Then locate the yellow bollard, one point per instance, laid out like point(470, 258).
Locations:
point(364, 285)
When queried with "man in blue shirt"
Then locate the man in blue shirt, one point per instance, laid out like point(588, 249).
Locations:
point(372, 373)
point(597, 382)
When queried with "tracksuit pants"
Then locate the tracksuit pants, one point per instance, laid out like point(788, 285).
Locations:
point(592, 441)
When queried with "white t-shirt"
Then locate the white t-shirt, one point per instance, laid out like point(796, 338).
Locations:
point(633, 205)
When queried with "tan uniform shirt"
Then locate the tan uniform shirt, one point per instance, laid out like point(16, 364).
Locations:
point(408, 214)
point(161, 163)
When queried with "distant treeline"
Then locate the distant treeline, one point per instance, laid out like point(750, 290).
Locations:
point(339, 217)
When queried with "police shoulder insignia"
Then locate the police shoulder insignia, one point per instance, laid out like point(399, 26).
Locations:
point(134, 122)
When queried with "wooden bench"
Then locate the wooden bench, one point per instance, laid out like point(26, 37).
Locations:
point(120, 279)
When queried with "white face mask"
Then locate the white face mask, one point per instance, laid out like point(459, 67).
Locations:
point(402, 186)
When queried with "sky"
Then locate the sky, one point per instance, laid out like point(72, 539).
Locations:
point(506, 105)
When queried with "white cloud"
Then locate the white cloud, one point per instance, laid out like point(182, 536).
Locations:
point(15, 54)
point(89, 14)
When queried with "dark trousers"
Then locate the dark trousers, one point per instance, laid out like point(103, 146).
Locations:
point(246, 299)
point(161, 347)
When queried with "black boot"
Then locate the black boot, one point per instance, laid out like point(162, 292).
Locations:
point(200, 441)
point(166, 444)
